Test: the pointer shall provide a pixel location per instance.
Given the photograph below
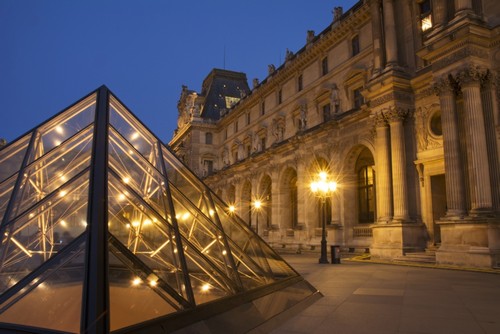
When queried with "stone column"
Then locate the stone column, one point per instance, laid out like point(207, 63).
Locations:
point(454, 175)
point(463, 5)
point(391, 47)
point(275, 198)
point(395, 117)
point(439, 12)
point(377, 36)
point(383, 172)
point(490, 108)
point(475, 133)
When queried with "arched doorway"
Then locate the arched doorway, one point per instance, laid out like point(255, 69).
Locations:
point(265, 196)
point(245, 207)
point(288, 198)
point(365, 187)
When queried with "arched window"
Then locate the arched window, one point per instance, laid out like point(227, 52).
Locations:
point(366, 195)
point(208, 138)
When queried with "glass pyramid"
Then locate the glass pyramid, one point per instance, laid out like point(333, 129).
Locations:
point(105, 230)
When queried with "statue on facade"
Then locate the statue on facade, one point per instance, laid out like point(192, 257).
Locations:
point(225, 157)
point(288, 55)
point(255, 82)
point(337, 13)
point(303, 117)
point(310, 36)
point(335, 98)
point(270, 69)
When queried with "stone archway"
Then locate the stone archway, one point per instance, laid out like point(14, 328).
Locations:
point(265, 196)
point(245, 205)
point(288, 206)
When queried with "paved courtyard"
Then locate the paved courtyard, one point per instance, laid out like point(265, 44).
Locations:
point(381, 298)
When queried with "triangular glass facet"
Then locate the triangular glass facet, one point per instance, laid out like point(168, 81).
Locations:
point(51, 299)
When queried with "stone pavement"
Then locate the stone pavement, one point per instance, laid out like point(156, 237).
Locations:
point(383, 299)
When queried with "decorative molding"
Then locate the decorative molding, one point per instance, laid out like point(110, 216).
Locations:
point(392, 96)
point(460, 54)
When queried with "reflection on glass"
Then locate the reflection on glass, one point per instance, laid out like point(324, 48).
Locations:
point(59, 287)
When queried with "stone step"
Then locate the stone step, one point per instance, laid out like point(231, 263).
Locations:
point(420, 257)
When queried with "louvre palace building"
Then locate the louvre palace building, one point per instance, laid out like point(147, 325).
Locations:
point(397, 102)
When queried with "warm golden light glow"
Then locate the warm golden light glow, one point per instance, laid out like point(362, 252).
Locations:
point(426, 23)
point(126, 179)
point(121, 197)
point(153, 279)
point(59, 129)
point(323, 186)
point(257, 204)
point(205, 287)
point(63, 223)
point(136, 281)
point(134, 136)
point(185, 216)
point(232, 209)
point(135, 223)
point(62, 193)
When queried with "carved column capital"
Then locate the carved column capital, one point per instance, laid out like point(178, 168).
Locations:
point(379, 120)
point(469, 75)
point(395, 114)
point(445, 85)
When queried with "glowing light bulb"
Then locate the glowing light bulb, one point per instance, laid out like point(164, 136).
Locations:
point(135, 223)
point(205, 287)
point(126, 179)
point(63, 223)
point(136, 281)
point(59, 129)
point(62, 193)
point(121, 197)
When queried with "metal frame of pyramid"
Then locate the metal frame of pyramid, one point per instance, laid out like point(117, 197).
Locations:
point(105, 230)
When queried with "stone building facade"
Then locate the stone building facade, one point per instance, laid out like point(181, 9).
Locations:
point(402, 111)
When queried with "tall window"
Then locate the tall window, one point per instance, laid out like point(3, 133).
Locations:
point(425, 15)
point(248, 118)
point(358, 98)
point(263, 143)
point(300, 83)
point(208, 167)
point(366, 195)
point(208, 138)
point(326, 112)
point(236, 126)
point(355, 45)
point(324, 66)
point(280, 96)
point(294, 208)
point(263, 108)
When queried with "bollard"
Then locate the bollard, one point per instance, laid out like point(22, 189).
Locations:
point(335, 249)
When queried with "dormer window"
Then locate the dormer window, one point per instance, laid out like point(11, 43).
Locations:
point(425, 15)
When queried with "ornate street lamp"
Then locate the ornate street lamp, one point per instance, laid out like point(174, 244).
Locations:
point(323, 188)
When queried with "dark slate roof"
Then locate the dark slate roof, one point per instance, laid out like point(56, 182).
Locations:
point(221, 89)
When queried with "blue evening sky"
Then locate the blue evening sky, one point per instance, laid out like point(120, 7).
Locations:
point(53, 52)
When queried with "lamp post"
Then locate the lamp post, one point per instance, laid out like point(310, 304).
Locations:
point(323, 188)
point(257, 205)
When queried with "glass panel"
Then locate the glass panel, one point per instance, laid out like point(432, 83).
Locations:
point(132, 130)
point(201, 232)
point(6, 188)
point(53, 299)
point(136, 172)
point(207, 284)
point(41, 232)
point(184, 180)
point(145, 234)
point(133, 298)
point(258, 255)
point(64, 126)
point(49, 173)
point(11, 157)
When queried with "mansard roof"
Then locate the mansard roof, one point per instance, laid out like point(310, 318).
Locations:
point(222, 89)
